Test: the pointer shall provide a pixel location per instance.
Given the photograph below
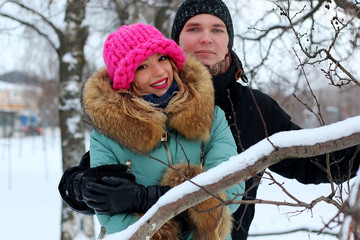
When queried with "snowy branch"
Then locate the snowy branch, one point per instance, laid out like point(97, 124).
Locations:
point(293, 144)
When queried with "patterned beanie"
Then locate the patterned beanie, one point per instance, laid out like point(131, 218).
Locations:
point(190, 8)
point(126, 48)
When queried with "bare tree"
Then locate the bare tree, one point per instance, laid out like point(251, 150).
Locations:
point(271, 30)
point(68, 43)
point(159, 13)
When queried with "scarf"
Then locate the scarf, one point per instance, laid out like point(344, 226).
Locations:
point(220, 67)
point(162, 101)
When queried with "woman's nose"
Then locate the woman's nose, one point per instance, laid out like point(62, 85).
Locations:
point(158, 70)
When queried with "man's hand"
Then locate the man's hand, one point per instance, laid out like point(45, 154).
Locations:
point(121, 195)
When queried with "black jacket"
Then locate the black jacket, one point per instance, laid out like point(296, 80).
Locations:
point(247, 127)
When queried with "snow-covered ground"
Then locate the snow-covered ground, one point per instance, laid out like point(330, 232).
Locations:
point(30, 169)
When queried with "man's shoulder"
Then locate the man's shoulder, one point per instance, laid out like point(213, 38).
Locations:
point(248, 94)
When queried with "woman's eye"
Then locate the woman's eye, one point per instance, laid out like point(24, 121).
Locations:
point(141, 67)
point(162, 58)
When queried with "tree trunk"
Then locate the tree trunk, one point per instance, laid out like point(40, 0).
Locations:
point(72, 128)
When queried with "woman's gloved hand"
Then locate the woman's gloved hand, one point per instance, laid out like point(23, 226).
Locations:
point(121, 195)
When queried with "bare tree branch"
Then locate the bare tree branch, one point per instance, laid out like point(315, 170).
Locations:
point(34, 26)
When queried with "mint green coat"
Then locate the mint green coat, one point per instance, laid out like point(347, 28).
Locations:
point(193, 123)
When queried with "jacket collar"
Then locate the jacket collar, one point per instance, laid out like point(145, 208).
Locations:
point(142, 128)
point(225, 81)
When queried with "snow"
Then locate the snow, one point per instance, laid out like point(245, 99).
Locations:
point(7, 86)
point(30, 169)
point(69, 58)
point(73, 127)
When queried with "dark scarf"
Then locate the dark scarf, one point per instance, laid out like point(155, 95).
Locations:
point(162, 101)
point(220, 67)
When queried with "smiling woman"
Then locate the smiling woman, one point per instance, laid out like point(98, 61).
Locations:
point(154, 75)
point(153, 110)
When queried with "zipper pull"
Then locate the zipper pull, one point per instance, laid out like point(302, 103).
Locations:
point(164, 137)
point(128, 165)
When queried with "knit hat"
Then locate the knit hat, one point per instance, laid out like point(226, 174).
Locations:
point(126, 48)
point(190, 8)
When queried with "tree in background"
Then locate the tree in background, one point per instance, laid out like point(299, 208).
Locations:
point(276, 39)
point(64, 27)
point(67, 40)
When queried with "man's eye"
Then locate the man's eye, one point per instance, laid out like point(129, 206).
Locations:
point(218, 30)
point(193, 29)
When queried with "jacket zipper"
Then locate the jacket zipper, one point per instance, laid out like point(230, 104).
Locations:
point(128, 165)
point(164, 140)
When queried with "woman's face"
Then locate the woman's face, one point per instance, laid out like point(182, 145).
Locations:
point(154, 75)
point(205, 37)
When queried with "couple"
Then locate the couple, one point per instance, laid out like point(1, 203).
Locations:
point(203, 29)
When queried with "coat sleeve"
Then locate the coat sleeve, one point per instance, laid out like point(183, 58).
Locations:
point(344, 163)
point(101, 150)
point(220, 147)
point(66, 186)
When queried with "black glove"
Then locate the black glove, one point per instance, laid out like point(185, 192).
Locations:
point(95, 175)
point(122, 195)
point(66, 190)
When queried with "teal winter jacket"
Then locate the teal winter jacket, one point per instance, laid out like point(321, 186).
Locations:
point(128, 130)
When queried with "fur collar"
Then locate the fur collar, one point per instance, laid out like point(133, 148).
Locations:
point(141, 127)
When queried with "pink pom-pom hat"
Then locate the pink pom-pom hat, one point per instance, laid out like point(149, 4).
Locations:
point(126, 48)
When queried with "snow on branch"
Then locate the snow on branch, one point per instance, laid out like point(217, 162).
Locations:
point(283, 145)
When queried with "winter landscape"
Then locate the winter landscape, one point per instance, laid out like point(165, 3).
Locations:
point(30, 169)
point(31, 166)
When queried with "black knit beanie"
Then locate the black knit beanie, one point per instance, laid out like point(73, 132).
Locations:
point(190, 8)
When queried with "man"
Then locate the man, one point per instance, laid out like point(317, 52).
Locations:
point(204, 28)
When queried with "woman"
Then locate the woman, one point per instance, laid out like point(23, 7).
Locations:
point(150, 103)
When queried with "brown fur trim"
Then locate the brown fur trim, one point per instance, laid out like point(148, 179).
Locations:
point(105, 108)
point(209, 219)
point(170, 230)
point(142, 127)
point(194, 118)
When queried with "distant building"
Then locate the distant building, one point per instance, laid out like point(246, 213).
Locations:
point(20, 98)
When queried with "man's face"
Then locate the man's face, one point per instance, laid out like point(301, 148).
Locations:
point(205, 37)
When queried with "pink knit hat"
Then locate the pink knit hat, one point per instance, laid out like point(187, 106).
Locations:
point(126, 48)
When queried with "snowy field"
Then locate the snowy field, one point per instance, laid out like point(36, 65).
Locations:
point(30, 169)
